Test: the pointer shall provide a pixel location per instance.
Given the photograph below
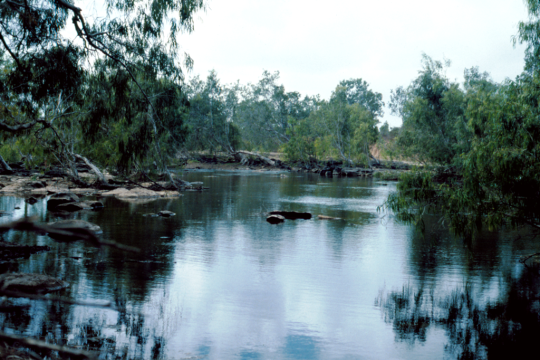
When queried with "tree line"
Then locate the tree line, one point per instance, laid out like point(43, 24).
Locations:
point(115, 95)
point(480, 140)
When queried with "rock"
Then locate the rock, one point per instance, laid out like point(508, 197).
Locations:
point(324, 217)
point(31, 200)
point(4, 213)
point(123, 193)
point(96, 205)
point(73, 206)
point(66, 224)
point(275, 219)
point(83, 191)
point(291, 215)
point(54, 173)
point(31, 283)
point(166, 213)
point(16, 208)
point(61, 198)
point(38, 184)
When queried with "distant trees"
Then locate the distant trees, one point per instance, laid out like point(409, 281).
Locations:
point(263, 116)
point(343, 127)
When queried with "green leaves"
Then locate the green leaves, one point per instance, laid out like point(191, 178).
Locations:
point(491, 180)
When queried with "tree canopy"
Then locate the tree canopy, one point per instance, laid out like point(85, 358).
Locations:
point(479, 142)
point(117, 76)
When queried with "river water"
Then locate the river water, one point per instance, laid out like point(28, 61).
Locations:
point(217, 281)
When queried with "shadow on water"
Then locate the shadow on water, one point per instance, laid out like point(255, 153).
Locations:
point(502, 328)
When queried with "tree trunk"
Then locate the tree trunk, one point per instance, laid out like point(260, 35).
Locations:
point(4, 165)
point(94, 168)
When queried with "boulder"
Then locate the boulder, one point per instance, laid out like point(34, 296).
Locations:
point(31, 200)
point(292, 215)
point(166, 213)
point(61, 198)
point(275, 219)
point(31, 283)
point(137, 193)
point(96, 205)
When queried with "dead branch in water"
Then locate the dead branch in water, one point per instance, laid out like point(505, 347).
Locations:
point(67, 233)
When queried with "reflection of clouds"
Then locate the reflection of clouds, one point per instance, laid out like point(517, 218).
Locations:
point(226, 284)
point(275, 293)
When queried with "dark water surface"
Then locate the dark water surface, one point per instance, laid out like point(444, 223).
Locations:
point(217, 281)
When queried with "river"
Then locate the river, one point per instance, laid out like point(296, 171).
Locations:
point(217, 281)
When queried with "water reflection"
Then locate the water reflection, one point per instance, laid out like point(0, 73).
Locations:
point(216, 281)
point(505, 327)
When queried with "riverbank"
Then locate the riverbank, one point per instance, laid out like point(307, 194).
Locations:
point(385, 169)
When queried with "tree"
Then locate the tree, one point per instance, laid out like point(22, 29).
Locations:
point(432, 109)
point(212, 109)
point(47, 68)
point(494, 181)
point(264, 111)
point(336, 128)
point(357, 92)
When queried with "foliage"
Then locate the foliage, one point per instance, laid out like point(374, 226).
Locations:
point(432, 109)
point(212, 109)
point(492, 180)
point(335, 129)
point(115, 87)
point(264, 110)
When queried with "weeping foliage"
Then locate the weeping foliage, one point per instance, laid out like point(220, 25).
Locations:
point(492, 180)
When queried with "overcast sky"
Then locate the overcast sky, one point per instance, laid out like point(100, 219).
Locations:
point(315, 44)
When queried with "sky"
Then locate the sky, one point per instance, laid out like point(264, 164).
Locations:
point(315, 44)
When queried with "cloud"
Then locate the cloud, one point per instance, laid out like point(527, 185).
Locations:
point(315, 44)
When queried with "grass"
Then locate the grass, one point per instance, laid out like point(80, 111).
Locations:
point(387, 175)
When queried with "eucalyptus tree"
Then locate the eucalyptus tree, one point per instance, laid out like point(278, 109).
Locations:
point(52, 45)
point(495, 137)
point(264, 111)
point(432, 109)
point(212, 108)
point(357, 92)
point(336, 128)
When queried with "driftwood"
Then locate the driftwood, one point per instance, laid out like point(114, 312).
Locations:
point(263, 158)
point(94, 168)
point(4, 165)
point(66, 233)
point(41, 345)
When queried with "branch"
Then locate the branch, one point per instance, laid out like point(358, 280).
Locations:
point(94, 168)
point(41, 345)
point(66, 233)
point(9, 50)
point(21, 127)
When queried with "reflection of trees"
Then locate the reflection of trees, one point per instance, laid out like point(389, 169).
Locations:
point(508, 327)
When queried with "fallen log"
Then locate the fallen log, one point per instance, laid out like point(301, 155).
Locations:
point(292, 215)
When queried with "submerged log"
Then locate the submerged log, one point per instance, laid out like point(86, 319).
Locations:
point(292, 215)
point(275, 219)
point(31, 283)
point(325, 217)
